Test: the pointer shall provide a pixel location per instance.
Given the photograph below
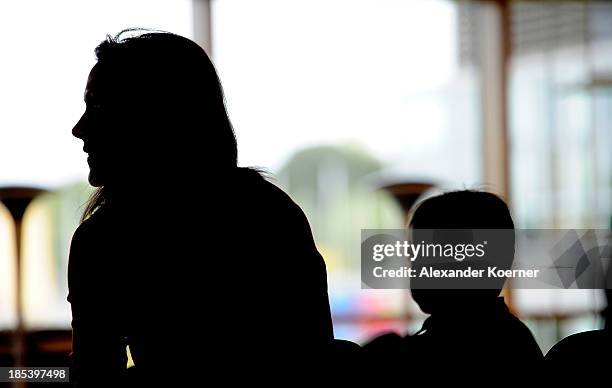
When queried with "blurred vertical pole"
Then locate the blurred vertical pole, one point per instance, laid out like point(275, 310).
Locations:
point(495, 46)
point(495, 51)
point(16, 200)
point(202, 24)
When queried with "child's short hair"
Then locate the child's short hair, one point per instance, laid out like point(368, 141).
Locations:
point(462, 210)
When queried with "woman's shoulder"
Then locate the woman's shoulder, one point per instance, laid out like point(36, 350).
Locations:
point(83, 260)
point(263, 194)
point(90, 229)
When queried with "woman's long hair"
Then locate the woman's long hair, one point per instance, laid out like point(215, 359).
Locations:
point(169, 94)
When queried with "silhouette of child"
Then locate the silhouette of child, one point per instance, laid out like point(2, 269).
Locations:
point(465, 325)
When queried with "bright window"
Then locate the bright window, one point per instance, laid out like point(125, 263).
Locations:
point(337, 98)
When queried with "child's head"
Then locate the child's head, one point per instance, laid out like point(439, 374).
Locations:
point(460, 210)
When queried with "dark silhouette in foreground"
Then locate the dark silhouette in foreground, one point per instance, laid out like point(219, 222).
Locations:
point(590, 347)
point(466, 326)
point(201, 267)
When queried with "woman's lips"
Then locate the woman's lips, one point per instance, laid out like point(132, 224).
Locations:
point(87, 148)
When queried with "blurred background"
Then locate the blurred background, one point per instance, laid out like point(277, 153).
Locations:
point(356, 107)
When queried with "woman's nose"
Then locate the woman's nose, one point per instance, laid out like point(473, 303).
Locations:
point(79, 128)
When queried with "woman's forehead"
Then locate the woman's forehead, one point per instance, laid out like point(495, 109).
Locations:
point(95, 82)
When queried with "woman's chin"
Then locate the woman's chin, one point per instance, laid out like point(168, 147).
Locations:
point(94, 179)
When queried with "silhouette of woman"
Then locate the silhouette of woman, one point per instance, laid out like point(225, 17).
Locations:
point(196, 264)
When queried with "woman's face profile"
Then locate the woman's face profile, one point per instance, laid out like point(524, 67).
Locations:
point(93, 129)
